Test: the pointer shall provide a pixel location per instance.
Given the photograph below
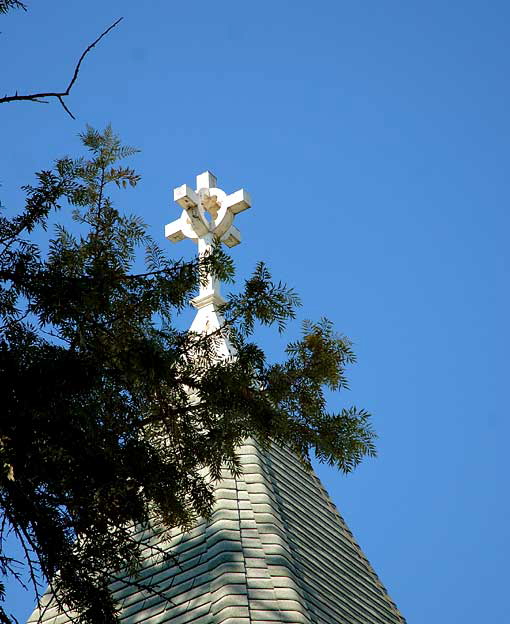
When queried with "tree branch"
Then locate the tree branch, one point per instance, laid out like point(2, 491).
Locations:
point(37, 97)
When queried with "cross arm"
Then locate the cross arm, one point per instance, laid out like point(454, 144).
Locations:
point(186, 197)
point(232, 237)
point(238, 201)
point(174, 231)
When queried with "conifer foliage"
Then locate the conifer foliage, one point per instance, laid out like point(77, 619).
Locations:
point(7, 5)
point(111, 416)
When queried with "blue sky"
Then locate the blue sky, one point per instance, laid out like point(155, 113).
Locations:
point(374, 139)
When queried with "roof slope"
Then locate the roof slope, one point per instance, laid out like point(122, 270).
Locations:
point(274, 550)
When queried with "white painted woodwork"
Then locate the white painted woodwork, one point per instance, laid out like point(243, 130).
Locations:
point(207, 215)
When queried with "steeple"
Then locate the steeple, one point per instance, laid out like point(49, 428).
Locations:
point(275, 549)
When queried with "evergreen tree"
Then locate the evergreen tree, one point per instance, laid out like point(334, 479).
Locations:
point(111, 416)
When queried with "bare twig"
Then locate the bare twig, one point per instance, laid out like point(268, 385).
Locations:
point(38, 97)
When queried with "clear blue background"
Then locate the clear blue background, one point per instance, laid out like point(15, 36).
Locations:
point(373, 137)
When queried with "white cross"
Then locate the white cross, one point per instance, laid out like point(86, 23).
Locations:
point(208, 213)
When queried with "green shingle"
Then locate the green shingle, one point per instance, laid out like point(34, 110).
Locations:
point(275, 550)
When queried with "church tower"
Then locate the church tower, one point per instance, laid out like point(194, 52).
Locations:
point(275, 549)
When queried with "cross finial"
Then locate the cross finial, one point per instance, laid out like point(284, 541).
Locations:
point(208, 213)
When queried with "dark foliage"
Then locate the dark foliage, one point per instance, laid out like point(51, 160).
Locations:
point(8, 5)
point(110, 415)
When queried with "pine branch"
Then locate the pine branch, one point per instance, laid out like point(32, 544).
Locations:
point(59, 95)
point(7, 5)
point(178, 266)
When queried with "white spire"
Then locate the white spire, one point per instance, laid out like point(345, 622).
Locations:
point(208, 213)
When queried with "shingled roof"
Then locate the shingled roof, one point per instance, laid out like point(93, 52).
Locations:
point(274, 550)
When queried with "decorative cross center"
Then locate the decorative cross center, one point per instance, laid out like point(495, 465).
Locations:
point(208, 213)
